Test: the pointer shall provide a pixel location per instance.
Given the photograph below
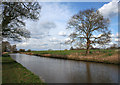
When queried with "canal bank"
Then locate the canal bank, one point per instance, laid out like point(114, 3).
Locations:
point(13, 72)
point(106, 57)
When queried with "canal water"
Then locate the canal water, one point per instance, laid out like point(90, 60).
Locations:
point(68, 71)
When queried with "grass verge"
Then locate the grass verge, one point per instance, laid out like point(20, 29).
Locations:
point(13, 72)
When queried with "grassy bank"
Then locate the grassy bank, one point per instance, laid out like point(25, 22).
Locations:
point(101, 56)
point(13, 72)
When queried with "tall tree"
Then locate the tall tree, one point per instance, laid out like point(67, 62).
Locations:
point(13, 16)
point(90, 28)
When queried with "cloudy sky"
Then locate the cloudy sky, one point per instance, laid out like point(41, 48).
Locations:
point(50, 32)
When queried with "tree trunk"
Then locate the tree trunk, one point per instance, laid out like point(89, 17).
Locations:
point(88, 46)
point(87, 51)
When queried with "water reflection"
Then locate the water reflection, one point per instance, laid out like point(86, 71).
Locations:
point(68, 71)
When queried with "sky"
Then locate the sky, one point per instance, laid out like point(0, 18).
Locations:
point(50, 32)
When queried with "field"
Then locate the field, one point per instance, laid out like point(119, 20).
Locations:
point(13, 72)
point(68, 52)
point(103, 56)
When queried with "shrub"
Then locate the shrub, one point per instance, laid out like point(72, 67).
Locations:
point(15, 51)
point(28, 50)
point(22, 50)
point(109, 54)
point(71, 48)
point(91, 52)
point(5, 55)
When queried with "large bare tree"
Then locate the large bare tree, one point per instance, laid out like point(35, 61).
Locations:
point(90, 28)
point(13, 16)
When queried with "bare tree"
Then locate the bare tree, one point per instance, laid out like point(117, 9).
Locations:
point(90, 27)
point(13, 16)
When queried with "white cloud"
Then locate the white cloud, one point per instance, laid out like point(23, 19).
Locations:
point(54, 39)
point(55, 11)
point(112, 35)
point(34, 44)
point(52, 15)
point(52, 23)
point(61, 33)
point(116, 39)
point(118, 34)
point(22, 44)
point(110, 9)
point(94, 35)
point(67, 39)
point(44, 32)
point(111, 43)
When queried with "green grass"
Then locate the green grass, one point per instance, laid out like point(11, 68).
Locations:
point(68, 52)
point(13, 72)
point(58, 52)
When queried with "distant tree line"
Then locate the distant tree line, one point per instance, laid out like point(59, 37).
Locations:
point(23, 50)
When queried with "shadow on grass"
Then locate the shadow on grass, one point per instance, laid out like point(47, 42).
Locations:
point(24, 84)
point(9, 62)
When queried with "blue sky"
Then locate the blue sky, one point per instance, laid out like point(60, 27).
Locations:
point(50, 30)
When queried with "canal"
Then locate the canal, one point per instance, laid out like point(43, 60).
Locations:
point(68, 71)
